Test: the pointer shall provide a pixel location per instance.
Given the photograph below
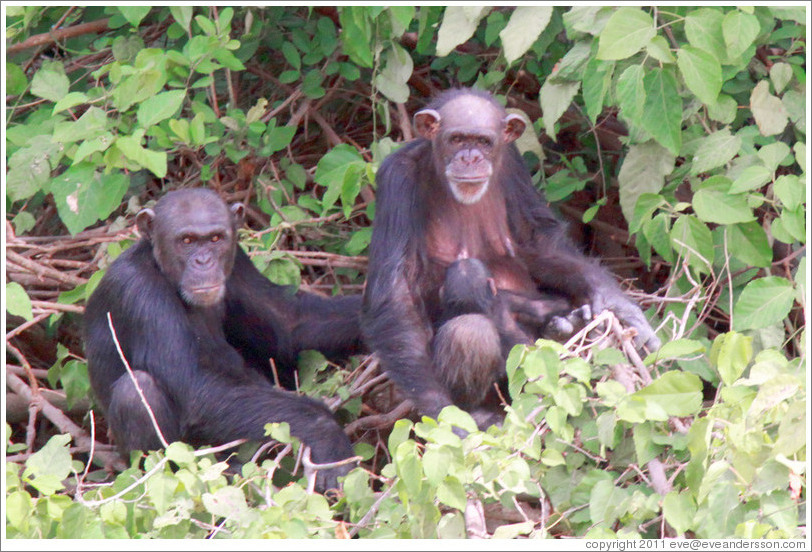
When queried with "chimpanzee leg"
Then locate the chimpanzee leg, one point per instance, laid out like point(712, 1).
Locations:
point(467, 355)
point(128, 418)
point(224, 411)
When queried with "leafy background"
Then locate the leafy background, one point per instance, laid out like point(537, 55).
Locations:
point(673, 139)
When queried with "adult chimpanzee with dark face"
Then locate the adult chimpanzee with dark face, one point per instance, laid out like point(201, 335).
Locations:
point(199, 324)
point(462, 190)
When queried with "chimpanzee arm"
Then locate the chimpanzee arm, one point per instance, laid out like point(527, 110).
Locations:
point(393, 322)
point(265, 320)
point(556, 265)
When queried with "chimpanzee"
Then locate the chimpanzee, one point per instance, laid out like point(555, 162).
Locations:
point(199, 324)
point(462, 189)
point(469, 299)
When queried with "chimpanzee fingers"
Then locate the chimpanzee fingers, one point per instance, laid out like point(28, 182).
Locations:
point(558, 328)
point(581, 316)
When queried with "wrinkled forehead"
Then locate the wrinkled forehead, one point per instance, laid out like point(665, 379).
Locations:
point(471, 112)
point(199, 211)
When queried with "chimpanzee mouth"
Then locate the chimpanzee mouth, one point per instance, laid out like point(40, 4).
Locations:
point(204, 295)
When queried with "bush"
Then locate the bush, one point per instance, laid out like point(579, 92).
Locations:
point(683, 125)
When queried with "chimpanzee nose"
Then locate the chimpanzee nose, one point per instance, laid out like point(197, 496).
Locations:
point(203, 261)
point(471, 156)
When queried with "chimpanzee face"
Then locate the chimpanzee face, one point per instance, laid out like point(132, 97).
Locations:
point(468, 135)
point(194, 242)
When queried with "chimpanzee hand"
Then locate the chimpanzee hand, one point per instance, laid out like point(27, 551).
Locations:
point(628, 313)
point(560, 328)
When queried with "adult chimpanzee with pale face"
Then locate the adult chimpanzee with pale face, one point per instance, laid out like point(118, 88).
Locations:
point(462, 190)
point(199, 325)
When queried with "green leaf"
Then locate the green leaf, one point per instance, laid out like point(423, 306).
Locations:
point(702, 73)
point(17, 301)
point(731, 353)
point(751, 178)
point(627, 32)
point(49, 466)
point(715, 150)
point(596, 83)
point(452, 493)
point(131, 147)
point(676, 393)
point(134, 14)
point(780, 75)
point(606, 503)
point(459, 24)
point(159, 107)
point(703, 27)
point(72, 99)
point(739, 30)
point(30, 169)
point(714, 203)
point(180, 453)
point(658, 48)
point(91, 124)
point(662, 112)
point(790, 190)
point(693, 240)
point(763, 302)
point(182, 16)
point(525, 25)
point(50, 82)
point(675, 349)
point(631, 94)
point(332, 170)
point(768, 111)
point(555, 98)
point(773, 154)
point(748, 242)
point(84, 195)
point(679, 510)
point(396, 72)
point(646, 205)
point(724, 110)
point(457, 417)
point(16, 81)
point(643, 171)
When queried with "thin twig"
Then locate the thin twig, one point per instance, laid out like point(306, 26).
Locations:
point(135, 382)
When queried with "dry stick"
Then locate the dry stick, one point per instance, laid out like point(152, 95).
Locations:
point(41, 270)
point(311, 468)
point(50, 307)
point(372, 511)
point(135, 382)
point(62, 422)
point(59, 34)
point(22, 327)
point(380, 420)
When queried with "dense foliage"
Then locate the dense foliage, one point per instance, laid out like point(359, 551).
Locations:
point(676, 135)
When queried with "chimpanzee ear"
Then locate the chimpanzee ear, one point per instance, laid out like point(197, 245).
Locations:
point(238, 212)
point(514, 127)
point(427, 123)
point(492, 285)
point(143, 220)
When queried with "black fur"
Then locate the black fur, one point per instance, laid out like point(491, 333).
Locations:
point(205, 370)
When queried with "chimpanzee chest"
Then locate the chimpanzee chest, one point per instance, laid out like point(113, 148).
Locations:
point(473, 232)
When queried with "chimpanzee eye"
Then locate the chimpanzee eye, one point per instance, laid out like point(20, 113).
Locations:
point(187, 240)
point(456, 139)
point(482, 141)
point(216, 238)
